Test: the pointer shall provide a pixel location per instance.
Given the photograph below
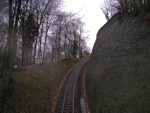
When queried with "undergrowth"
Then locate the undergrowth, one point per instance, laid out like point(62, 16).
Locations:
point(35, 85)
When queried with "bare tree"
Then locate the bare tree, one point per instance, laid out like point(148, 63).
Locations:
point(112, 7)
point(106, 11)
point(67, 33)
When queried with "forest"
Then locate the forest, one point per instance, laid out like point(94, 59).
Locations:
point(36, 32)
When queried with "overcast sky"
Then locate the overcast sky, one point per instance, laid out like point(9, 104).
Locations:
point(91, 13)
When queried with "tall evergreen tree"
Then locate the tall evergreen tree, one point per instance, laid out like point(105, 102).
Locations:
point(30, 31)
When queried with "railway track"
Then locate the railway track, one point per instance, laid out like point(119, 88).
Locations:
point(69, 98)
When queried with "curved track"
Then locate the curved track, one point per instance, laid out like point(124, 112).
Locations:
point(69, 98)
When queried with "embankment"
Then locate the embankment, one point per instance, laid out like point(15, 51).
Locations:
point(118, 75)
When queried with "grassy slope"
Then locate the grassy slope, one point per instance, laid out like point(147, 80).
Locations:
point(35, 86)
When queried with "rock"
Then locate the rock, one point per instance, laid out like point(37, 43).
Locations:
point(118, 74)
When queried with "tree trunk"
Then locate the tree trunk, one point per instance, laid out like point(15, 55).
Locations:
point(65, 52)
point(35, 47)
point(47, 28)
point(58, 46)
point(40, 45)
point(11, 42)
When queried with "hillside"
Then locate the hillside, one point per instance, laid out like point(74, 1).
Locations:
point(118, 74)
point(36, 85)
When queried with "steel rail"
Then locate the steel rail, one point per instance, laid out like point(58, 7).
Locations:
point(67, 105)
